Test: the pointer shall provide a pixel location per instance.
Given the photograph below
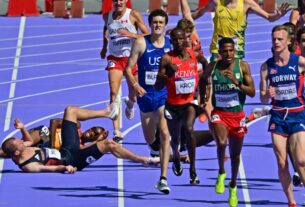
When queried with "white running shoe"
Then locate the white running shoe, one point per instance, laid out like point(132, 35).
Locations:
point(113, 111)
point(162, 186)
point(152, 161)
point(129, 112)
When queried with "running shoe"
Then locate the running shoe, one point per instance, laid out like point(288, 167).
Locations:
point(292, 205)
point(113, 110)
point(118, 137)
point(162, 186)
point(296, 179)
point(220, 183)
point(129, 112)
point(177, 169)
point(152, 161)
point(233, 200)
point(194, 179)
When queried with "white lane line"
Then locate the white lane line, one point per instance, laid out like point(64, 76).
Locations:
point(54, 35)
point(53, 91)
point(53, 63)
point(242, 173)
point(54, 44)
point(57, 25)
point(53, 76)
point(120, 164)
point(54, 53)
point(14, 74)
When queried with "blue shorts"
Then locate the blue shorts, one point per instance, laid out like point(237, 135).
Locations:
point(151, 101)
point(286, 124)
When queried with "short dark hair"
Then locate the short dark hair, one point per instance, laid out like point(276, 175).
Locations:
point(7, 146)
point(175, 31)
point(299, 34)
point(186, 25)
point(157, 12)
point(225, 40)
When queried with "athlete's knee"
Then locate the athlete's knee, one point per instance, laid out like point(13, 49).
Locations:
point(189, 128)
point(221, 143)
point(110, 145)
point(300, 161)
point(282, 165)
point(69, 110)
point(165, 136)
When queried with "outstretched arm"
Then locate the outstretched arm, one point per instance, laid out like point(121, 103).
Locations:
point(36, 168)
point(139, 23)
point(27, 138)
point(279, 12)
point(186, 11)
point(210, 6)
point(294, 16)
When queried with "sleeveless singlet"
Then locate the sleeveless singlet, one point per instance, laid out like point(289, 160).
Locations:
point(229, 22)
point(287, 82)
point(120, 46)
point(226, 95)
point(45, 156)
point(148, 64)
point(182, 85)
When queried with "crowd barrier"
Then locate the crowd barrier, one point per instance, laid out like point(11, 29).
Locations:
point(30, 8)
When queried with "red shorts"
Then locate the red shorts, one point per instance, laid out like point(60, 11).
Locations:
point(235, 122)
point(119, 63)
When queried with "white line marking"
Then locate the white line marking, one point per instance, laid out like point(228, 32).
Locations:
point(53, 91)
point(53, 53)
point(14, 74)
point(57, 43)
point(53, 63)
point(53, 76)
point(54, 35)
point(121, 170)
point(242, 173)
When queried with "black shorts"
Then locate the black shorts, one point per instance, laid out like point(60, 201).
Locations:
point(177, 112)
point(70, 149)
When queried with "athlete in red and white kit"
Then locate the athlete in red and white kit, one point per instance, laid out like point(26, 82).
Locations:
point(120, 31)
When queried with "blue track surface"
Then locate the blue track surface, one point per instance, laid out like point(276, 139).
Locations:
point(59, 65)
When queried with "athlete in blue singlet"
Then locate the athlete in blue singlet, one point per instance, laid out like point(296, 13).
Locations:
point(147, 52)
point(148, 66)
point(281, 81)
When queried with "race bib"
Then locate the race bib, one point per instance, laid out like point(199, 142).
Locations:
point(285, 92)
point(185, 86)
point(52, 153)
point(227, 100)
point(150, 77)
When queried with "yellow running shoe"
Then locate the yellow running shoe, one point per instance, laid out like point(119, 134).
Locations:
point(220, 184)
point(233, 200)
